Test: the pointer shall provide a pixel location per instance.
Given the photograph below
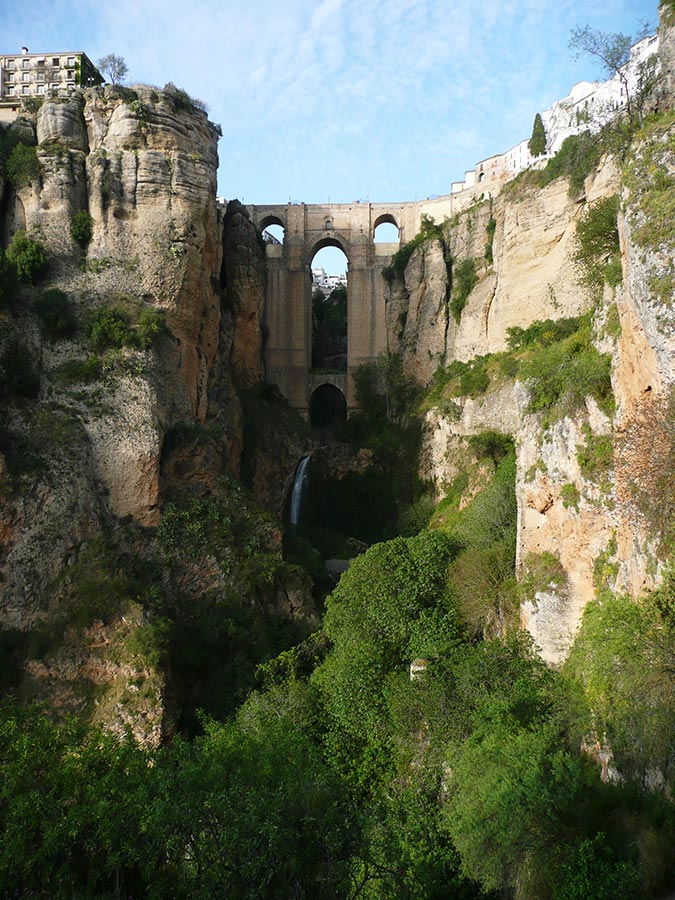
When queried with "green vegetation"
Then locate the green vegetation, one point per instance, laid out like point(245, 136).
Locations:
point(577, 158)
point(647, 176)
point(22, 166)
point(82, 228)
point(595, 457)
point(27, 256)
point(570, 496)
point(182, 101)
point(464, 280)
point(490, 229)
point(597, 251)
point(111, 327)
point(537, 143)
point(80, 370)
point(429, 231)
point(561, 375)
point(8, 279)
point(57, 317)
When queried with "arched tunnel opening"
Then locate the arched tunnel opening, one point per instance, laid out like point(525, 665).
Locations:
point(328, 407)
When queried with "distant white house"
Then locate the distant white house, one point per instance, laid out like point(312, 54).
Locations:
point(588, 106)
point(325, 283)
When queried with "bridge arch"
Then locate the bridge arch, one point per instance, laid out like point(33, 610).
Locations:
point(332, 240)
point(290, 315)
point(327, 406)
point(386, 219)
point(266, 221)
point(386, 229)
point(273, 229)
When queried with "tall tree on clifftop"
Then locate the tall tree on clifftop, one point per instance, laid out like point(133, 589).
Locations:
point(613, 52)
point(537, 143)
point(114, 68)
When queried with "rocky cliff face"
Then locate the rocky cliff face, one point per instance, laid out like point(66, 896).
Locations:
point(586, 516)
point(118, 424)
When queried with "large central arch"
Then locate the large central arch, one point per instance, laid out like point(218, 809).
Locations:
point(288, 306)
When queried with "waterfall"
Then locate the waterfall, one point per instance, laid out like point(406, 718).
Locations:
point(299, 492)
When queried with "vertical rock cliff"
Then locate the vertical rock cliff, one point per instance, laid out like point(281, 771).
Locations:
point(129, 405)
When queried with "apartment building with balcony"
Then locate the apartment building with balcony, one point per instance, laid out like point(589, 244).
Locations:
point(25, 74)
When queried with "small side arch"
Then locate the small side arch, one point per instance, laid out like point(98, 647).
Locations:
point(327, 406)
point(386, 229)
point(385, 218)
point(273, 229)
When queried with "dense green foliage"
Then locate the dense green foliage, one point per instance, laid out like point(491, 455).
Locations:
point(82, 228)
point(561, 375)
point(577, 158)
point(597, 252)
point(27, 256)
point(56, 314)
point(22, 166)
point(537, 143)
point(111, 327)
point(464, 280)
point(8, 279)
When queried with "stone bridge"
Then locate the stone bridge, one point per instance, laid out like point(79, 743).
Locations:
point(307, 229)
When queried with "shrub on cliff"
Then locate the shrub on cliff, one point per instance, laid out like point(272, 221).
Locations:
point(7, 278)
point(82, 228)
point(28, 257)
point(56, 314)
point(464, 280)
point(560, 376)
point(597, 252)
point(22, 166)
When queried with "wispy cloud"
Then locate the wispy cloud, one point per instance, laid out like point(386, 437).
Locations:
point(387, 98)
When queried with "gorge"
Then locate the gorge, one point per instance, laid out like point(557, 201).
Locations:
point(482, 704)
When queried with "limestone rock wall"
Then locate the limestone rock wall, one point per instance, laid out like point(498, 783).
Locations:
point(588, 522)
point(142, 163)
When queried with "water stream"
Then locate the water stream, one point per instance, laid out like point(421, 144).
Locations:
point(299, 491)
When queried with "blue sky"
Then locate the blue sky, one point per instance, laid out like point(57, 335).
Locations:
point(343, 99)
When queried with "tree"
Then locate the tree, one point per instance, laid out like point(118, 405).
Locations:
point(612, 51)
point(537, 143)
point(113, 67)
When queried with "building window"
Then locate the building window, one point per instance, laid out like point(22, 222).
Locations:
point(41, 89)
point(40, 76)
point(71, 73)
point(71, 60)
point(25, 89)
point(10, 78)
point(25, 63)
point(9, 63)
point(10, 90)
point(25, 76)
point(55, 85)
point(55, 60)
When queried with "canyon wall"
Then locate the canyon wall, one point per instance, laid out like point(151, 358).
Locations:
point(116, 424)
point(595, 523)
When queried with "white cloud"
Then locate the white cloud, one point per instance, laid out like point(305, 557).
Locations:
point(347, 97)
